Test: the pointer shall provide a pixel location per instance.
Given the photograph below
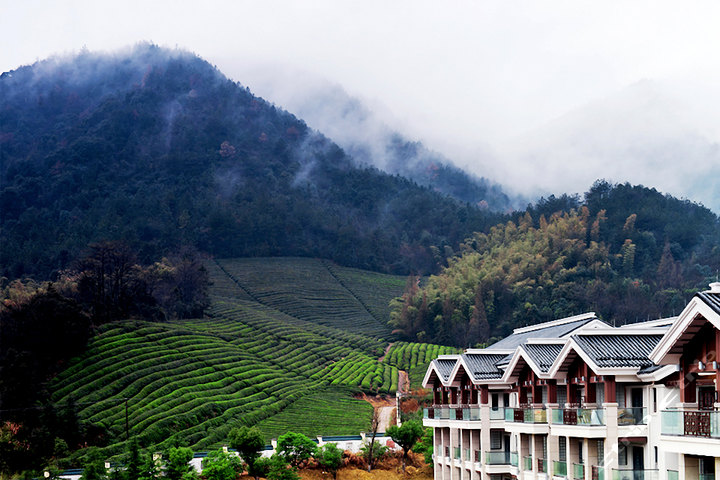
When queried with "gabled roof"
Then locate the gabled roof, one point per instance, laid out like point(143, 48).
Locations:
point(618, 351)
point(444, 367)
point(712, 299)
point(555, 329)
point(703, 307)
point(543, 354)
point(482, 366)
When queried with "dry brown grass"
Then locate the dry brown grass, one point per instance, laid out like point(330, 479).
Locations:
point(389, 469)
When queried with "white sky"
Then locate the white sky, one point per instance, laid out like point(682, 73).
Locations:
point(465, 77)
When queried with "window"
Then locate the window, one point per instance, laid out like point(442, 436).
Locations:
point(494, 398)
point(656, 456)
point(601, 452)
point(562, 396)
point(622, 455)
point(654, 400)
point(562, 448)
point(495, 439)
point(580, 451)
point(506, 399)
point(620, 397)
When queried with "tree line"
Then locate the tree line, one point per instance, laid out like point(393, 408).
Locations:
point(43, 325)
point(627, 253)
point(294, 451)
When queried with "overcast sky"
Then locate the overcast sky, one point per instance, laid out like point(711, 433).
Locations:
point(541, 96)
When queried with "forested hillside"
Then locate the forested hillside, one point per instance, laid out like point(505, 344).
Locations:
point(275, 350)
point(626, 252)
point(158, 149)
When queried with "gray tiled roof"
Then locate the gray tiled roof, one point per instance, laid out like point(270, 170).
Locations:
point(445, 367)
point(618, 351)
point(557, 331)
point(712, 299)
point(543, 355)
point(483, 367)
point(649, 369)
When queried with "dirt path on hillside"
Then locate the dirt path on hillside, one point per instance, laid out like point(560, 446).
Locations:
point(387, 418)
point(384, 406)
point(387, 349)
point(403, 381)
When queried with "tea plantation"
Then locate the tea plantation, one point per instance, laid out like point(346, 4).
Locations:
point(285, 345)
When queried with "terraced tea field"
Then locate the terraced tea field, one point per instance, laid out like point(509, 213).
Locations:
point(284, 346)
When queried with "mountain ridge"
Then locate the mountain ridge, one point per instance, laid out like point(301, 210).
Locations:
point(159, 149)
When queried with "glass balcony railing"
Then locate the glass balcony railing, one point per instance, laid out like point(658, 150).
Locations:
point(456, 451)
point(509, 414)
point(706, 476)
point(514, 457)
point(535, 415)
point(598, 473)
point(578, 471)
point(526, 415)
point(471, 414)
point(497, 458)
point(466, 454)
point(527, 463)
point(542, 465)
point(497, 414)
point(478, 456)
point(559, 469)
point(578, 416)
point(632, 416)
point(698, 423)
point(673, 475)
point(630, 474)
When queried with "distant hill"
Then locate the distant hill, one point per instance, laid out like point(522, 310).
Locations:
point(357, 128)
point(628, 253)
point(158, 148)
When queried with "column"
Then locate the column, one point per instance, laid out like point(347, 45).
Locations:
point(484, 433)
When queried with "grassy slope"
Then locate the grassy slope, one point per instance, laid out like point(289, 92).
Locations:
point(286, 344)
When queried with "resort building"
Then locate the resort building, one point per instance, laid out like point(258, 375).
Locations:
point(579, 399)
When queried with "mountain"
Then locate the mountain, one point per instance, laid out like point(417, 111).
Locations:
point(157, 148)
point(358, 129)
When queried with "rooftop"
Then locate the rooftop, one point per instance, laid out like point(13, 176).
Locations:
point(556, 329)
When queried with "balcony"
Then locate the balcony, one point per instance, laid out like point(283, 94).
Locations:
point(598, 473)
point(559, 469)
point(673, 475)
point(497, 414)
point(632, 416)
point(578, 471)
point(705, 424)
point(578, 416)
point(527, 463)
point(542, 465)
point(526, 415)
point(471, 414)
point(452, 412)
point(630, 474)
point(501, 458)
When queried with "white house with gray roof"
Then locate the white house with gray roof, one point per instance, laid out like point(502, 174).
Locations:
point(579, 399)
